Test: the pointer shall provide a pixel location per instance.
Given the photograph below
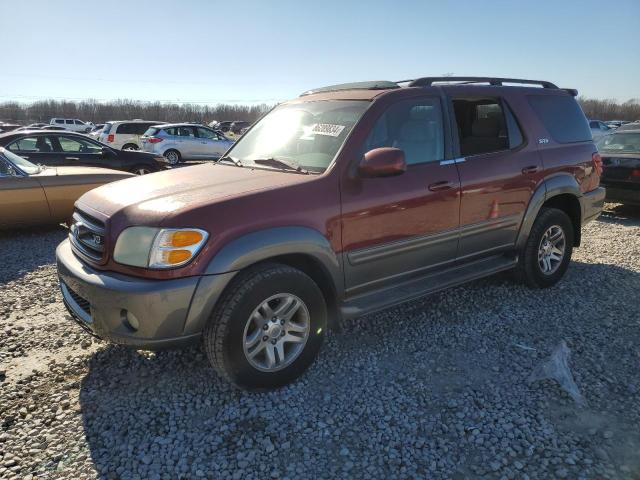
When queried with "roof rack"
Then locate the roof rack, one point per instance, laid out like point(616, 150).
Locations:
point(375, 85)
point(428, 81)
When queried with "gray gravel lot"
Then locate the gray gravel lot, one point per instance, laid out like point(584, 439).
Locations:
point(436, 388)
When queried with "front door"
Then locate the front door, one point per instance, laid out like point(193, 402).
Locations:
point(209, 144)
point(399, 227)
point(77, 151)
point(22, 199)
point(499, 172)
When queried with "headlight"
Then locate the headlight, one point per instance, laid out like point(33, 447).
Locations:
point(158, 248)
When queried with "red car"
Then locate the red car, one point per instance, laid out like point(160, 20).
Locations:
point(346, 200)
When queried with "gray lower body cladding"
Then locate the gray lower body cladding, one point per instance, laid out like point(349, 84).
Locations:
point(147, 314)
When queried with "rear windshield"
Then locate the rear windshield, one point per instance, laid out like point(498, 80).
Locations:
point(107, 128)
point(132, 128)
point(150, 132)
point(620, 142)
point(562, 117)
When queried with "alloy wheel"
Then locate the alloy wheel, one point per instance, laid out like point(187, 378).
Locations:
point(551, 249)
point(276, 332)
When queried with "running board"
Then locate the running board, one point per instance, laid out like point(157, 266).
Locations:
point(412, 289)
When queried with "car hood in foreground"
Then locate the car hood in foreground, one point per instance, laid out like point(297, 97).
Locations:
point(153, 197)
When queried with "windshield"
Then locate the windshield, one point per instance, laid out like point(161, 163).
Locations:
point(620, 142)
point(24, 165)
point(307, 135)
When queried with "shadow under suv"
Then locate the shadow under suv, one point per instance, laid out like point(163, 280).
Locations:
point(346, 200)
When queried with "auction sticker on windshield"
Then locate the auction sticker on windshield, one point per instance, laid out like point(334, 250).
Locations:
point(327, 129)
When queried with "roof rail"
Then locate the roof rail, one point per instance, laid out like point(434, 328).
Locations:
point(375, 85)
point(428, 81)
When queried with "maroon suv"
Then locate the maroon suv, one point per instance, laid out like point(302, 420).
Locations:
point(343, 201)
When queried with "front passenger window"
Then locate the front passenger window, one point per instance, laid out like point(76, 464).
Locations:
point(414, 126)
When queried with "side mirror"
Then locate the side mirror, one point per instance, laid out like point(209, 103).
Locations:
point(382, 162)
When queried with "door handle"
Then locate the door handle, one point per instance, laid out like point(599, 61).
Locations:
point(71, 158)
point(530, 169)
point(443, 185)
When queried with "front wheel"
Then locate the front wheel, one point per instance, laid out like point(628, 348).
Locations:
point(267, 328)
point(546, 255)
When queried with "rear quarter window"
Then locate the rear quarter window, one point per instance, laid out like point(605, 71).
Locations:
point(562, 117)
point(107, 128)
point(150, 132)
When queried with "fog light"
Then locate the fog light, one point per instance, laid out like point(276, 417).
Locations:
point(130, 320)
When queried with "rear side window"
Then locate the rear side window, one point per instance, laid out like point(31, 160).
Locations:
point(132, 128)
point(562, 117)
point(69, 122)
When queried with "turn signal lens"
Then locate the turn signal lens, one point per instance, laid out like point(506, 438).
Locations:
point(175, 247)
point(173, 257)
point(185, 238)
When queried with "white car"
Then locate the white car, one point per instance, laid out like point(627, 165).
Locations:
point(598, 129)
point(125, 135)
point(72, 124)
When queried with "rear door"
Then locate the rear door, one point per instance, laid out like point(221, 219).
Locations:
point(188, 144)
point(499, 171)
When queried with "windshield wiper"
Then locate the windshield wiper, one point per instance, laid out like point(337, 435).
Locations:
point(275, 162)
point(227, 158)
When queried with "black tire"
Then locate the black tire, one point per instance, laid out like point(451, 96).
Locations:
point(131, 146)
point(224, 334)
point(529, 270)
point(173, 157)
point(142, 169)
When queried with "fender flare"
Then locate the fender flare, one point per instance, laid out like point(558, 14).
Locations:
point(273, 242)
point(550, 187)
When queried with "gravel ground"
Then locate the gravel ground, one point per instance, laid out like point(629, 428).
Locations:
point(436, 388)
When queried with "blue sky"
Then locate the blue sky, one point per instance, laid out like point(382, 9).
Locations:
point(266, 51)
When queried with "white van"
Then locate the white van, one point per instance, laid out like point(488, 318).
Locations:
point(125, 135)
point(72, 124)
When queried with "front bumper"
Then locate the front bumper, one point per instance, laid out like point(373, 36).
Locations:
point(591, 204)
point(168, 313)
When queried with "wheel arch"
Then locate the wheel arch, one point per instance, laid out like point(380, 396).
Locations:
point(559, 191)
point(300, 247)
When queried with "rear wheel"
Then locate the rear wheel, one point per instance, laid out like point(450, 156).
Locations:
point(172, 156)
point(267, 328)
point(130, 146)
point(547, 253)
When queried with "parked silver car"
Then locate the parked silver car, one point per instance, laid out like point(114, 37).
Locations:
point(184, 141)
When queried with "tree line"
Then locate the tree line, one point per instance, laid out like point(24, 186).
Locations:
point(101, 112)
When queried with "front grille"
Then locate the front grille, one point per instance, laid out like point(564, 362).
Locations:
point(82, 302)
point(87, 235)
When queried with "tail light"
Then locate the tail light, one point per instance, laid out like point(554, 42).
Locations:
point(597, 162)
point(154, 140)
point(635, 173)
point(111, 137)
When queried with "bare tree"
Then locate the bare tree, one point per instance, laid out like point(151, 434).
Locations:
point(101, 112)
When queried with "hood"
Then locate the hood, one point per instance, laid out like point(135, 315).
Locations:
point(150, 198)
